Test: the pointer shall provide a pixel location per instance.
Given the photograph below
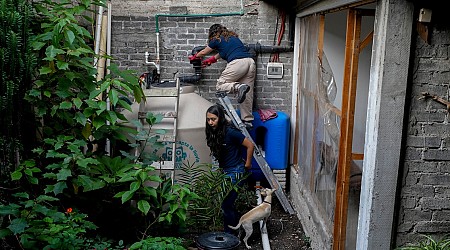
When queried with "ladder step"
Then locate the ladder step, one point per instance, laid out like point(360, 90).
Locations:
point(164, 165)
point(161, 92)
point(167, 138)
point(168, 114)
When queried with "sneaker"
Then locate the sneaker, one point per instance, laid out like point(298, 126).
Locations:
point(248, 125)
point(242, 89)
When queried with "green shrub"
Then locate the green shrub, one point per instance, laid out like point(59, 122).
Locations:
point(429, 243)
point(69, 167)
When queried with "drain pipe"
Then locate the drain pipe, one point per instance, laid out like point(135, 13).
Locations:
point(97, 34)
point(108, 63)
point(264, 233)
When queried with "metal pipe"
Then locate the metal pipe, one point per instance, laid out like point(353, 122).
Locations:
point(97, 34)
point(190, 79)
point(264, 234)
point(258, 48)
point(108, 63)
point(157, 63)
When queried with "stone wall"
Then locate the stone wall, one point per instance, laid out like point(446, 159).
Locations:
point(134, 32)
point(425, 195)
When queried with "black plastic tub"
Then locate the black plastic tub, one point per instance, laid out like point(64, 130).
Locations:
point(217, 241)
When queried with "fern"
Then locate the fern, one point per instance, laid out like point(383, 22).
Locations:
point(17, 63)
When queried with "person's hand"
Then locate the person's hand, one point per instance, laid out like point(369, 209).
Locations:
point(209, 61)
point(248, 167)
point(194, 57)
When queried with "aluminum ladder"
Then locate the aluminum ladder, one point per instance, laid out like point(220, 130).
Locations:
point(257, 154)
point(174, 93)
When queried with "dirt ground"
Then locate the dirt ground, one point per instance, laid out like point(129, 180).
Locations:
point(284, 230)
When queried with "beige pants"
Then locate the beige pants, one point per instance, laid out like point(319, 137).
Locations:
point(239, 71)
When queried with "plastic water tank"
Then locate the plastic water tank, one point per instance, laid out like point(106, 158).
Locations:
point(191, 141)
point(272, 137)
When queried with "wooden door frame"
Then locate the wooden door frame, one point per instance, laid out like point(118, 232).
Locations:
point(353, 46)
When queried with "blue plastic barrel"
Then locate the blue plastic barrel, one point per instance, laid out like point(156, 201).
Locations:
point(272, 136)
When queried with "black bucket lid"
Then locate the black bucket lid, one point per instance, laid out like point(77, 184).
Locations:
point(217, 240)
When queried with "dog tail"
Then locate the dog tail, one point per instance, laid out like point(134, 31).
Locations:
point(236, 227)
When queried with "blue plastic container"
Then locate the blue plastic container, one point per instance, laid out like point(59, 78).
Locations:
point(272, 136)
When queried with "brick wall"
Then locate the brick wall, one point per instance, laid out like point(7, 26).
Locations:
point(134, 33)
point(425, 195)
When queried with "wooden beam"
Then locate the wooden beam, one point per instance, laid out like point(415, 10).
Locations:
point(351, 59)
point(366, 41)
point(357, 156)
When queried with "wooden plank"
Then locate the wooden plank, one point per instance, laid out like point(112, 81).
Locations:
point(347, 119)
point(357, 157)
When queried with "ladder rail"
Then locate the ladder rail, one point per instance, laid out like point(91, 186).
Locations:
point(166, 93)
point(257, 153)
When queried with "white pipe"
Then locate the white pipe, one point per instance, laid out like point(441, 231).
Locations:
point(157, 53)
point(97, 34)
point(264, 234)
point(108, 62)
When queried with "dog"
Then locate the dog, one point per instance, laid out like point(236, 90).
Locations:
point(260, 212)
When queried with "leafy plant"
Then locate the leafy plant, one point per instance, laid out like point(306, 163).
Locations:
point(41, 226)
point(157, 243)
point(17, 65)
point(430, 244)
point(211, 185)
point(69, 165)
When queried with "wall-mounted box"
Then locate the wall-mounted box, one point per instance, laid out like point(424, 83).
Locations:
point(274, 70)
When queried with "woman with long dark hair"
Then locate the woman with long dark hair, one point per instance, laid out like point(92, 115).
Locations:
point(238, 77)
point(225, 143)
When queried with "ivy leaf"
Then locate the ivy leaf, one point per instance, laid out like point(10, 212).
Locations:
point(59, 187)
point(62, 65)
point(45, 70)
point(85, 162)
point(22, 195)
point(9, 209)
point(80, 118)
point(18, 225)
point(46, 198)
point(144, 206)
point(77, 102)
point(89, 183)
point(65, 105)
point(63, 174)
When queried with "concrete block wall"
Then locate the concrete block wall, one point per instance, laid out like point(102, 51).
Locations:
point(134, 33)
point(425, 191)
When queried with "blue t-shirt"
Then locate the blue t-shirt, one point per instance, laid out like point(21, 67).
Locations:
point(231, 49)
point(232, 154)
